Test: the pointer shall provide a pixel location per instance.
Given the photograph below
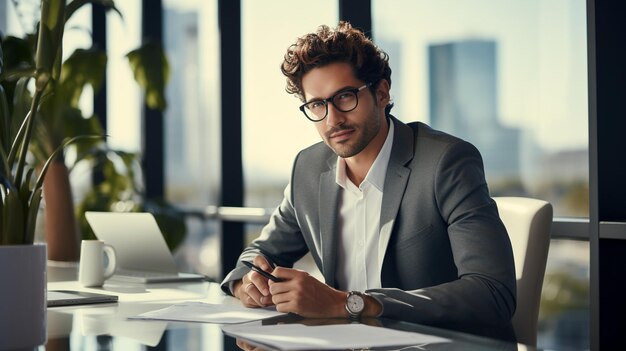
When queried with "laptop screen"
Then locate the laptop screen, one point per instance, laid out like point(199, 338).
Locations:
point(138, 241)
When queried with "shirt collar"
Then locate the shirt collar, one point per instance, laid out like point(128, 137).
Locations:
point(376, 174)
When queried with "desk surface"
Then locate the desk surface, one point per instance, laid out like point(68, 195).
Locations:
point(106, 327)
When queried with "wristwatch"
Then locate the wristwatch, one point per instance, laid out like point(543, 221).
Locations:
point(355, 304)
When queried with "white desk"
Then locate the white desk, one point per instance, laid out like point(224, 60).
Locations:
point(76, 324)
point(106, 327)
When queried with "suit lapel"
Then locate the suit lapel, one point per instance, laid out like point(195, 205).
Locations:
point(328, 214)
point(395, 184)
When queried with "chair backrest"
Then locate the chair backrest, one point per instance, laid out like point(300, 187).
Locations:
point(528, 222)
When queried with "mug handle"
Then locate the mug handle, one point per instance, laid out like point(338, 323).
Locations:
point(112, 266)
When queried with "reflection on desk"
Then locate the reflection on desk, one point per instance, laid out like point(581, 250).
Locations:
point(328, 337)
point(106, 326)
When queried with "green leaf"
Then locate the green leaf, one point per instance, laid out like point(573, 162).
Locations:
point(21, 102)
point(24, 142)
point(5, 169)
point(15, 74)
point(76, 124)
point(41, 145)
point(81, 68)
point(18, 142)
point(31, 216)
point(13, 213)
point(50, 41)
point(19, 120)
point(44, 59)
point(151, 70)
point(5, 123)
point(24, 188)
point(60, 116)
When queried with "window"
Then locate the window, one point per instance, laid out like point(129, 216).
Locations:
point(513, 81)
point(191, 120)
point(192, 125)
point(274, 130)
point(123, 94)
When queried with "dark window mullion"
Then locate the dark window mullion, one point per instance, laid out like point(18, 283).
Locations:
point(358, 13)
point(229, 18)
point(607, 82)
point(99, 35)
point(152, 131)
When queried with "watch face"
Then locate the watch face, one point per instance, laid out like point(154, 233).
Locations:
point(355, 303)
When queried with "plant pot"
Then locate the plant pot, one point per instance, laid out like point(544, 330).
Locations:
point(61, 228)
point(22, 296)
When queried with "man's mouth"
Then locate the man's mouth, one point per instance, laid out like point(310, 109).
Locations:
point(341, 135)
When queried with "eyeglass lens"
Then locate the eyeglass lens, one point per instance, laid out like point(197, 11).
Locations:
point(344, 101)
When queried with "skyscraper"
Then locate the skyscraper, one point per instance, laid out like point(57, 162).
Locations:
point(463, 100)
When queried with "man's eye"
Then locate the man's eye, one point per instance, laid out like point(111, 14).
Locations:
point(316, 105)
point(345, 95)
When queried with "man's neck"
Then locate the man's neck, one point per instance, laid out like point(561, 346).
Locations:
point(358, 165)
point(356, 171)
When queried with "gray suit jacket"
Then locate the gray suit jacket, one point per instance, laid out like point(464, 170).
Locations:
point(449, 261)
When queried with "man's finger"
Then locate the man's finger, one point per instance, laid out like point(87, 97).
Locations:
point(289, 273)
point(248, 301)
point(261, 262)
point(279, 287)
point(260, 282)
point(247, 287)
point(255, 295)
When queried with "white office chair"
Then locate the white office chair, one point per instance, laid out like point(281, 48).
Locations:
point(528, 222)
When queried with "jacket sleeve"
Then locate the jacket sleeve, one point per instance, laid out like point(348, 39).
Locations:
point(280, 242)
point(483, 297)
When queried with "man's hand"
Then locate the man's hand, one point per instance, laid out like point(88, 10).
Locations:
point(252, 289)
point(306, 296)
point(242, 344)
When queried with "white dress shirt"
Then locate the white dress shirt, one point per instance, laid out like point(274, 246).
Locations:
point(359, 254)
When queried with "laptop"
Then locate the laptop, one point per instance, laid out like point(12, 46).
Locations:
point(141, 251)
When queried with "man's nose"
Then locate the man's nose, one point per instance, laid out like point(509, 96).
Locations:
point(334, 117)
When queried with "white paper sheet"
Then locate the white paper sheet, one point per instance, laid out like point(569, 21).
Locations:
point(208, 313)
point(327, 337)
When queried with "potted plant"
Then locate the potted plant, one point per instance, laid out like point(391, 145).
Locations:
point(60, 118)
point(23, 264)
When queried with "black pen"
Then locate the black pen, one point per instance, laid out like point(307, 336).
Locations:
point(262, 272)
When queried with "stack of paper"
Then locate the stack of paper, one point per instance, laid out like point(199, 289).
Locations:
point(288, 336)
point(209, 313)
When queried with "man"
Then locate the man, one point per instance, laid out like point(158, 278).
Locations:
point(397, 217)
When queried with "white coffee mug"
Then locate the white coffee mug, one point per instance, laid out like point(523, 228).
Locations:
point(92, 270)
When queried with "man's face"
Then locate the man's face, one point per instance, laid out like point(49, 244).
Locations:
point(346, 133)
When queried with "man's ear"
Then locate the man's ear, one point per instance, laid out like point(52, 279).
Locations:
point(382, 92)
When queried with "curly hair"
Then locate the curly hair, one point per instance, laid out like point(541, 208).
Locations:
point(327, 45)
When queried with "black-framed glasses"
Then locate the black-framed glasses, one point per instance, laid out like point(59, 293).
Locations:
point(344, 101)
